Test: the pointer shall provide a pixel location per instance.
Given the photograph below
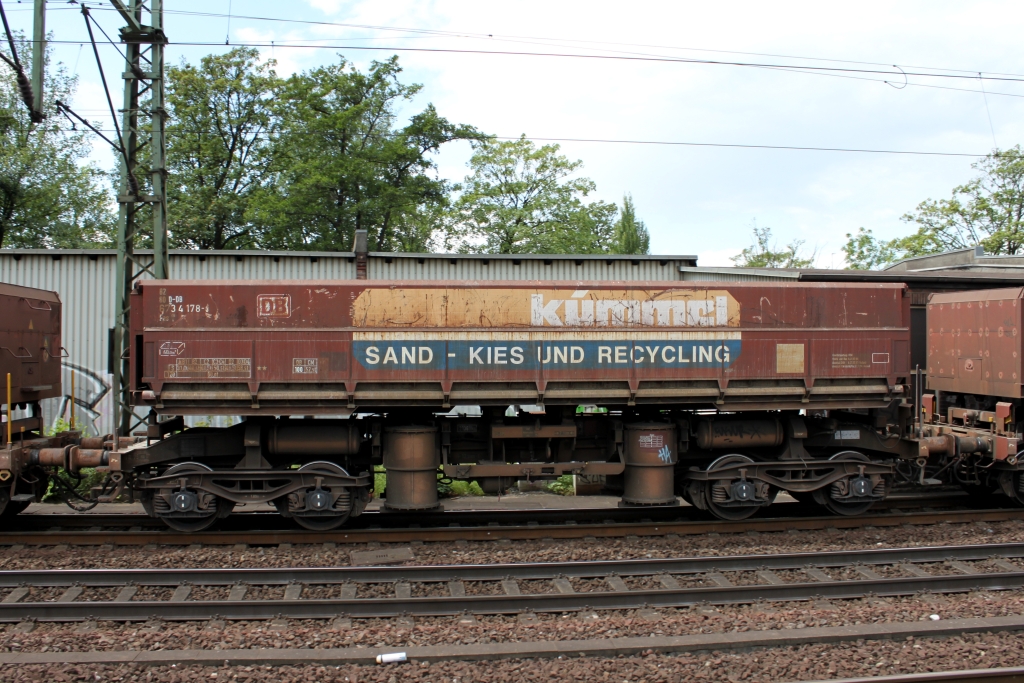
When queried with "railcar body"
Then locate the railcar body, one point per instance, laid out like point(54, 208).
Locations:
point(724, 395)
point(30, 371)
point(975, 379)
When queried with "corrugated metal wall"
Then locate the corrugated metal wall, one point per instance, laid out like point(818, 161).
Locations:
point(478, 268)
point(694, 274)
point(85, 281)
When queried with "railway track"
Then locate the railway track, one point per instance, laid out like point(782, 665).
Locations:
point(324, 593)
point(475, 530)
point(249, 521)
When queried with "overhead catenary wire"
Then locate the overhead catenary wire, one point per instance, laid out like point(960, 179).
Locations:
point(133, 183)
point(669, 143)
point(440, 33)
point(575, 55)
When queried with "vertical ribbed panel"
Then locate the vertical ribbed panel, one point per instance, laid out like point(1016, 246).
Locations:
point(476, 268)
point(86, 289)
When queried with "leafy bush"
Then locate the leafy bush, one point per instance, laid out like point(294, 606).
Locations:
point(562, 486)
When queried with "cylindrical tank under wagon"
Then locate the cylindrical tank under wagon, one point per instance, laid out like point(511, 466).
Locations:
point(752, 388)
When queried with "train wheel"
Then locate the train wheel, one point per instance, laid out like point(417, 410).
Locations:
point(331, 516)
point(183, 513)
point(1012, 484)
point(717, 493)
point(823, 496)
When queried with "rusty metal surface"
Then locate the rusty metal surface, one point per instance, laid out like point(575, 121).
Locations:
point(650, 456)
point(974, 342)
point(411, 459)
point(257, 347)
point(30, 343)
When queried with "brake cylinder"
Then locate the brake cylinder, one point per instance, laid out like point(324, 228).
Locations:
point(739, 434)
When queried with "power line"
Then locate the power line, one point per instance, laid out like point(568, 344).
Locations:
point(171, 132)
point(515, 38)
point(517, 53)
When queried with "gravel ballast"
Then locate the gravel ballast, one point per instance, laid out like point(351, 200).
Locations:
point(324, 634)
point(488, 552)
point(800, 663)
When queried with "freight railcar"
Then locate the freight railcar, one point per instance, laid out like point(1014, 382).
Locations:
point(972, 413)
point(722, 394)
point(30, 372)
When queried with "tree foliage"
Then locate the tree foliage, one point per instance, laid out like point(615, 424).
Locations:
point(49, 196)
point(340, 163)
point(631, 236)
point(217, 156)
point(521, 198)
point(765, 253)
point(988, 210)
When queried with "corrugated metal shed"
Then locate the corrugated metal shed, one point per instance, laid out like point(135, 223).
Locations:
point(695, 274)
point(84, 278)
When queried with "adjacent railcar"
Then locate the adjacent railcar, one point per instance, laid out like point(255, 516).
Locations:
point(972, 413)
point(723, 394)
point(30, 371)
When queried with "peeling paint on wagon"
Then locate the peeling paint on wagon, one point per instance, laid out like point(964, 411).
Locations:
point(669, 343)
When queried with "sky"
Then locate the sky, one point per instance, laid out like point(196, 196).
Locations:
point(695, 199)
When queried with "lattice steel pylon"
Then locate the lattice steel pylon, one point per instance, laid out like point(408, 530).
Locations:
point(144, 77)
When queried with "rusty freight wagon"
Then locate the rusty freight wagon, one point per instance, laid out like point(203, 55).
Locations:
point(724, 395)
point(972, 416)
point(30, 371)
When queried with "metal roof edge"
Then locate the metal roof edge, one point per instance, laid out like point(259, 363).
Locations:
point(780, 273)
point(925, 256)
point(350, 254)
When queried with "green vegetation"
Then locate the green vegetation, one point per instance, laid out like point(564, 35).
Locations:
point(562, 486)
point(257, 161)
point(524, 199)
point(49, 196)
point(988, 210)
point(765, 253)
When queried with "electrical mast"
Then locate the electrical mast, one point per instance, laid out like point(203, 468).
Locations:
point(143, 78)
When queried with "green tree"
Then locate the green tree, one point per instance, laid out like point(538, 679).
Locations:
point(522, 198)
point(631, 236)
point(217, 152)
point(342, 162)
point(764, 253)
point(988, 210)
point(49, 196)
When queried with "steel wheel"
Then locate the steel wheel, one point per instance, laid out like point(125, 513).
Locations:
point(192, 524)
point(731, 512)
point(824, 498)
point(321, 521)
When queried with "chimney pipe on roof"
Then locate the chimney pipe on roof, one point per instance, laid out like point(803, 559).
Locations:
point(359, 247)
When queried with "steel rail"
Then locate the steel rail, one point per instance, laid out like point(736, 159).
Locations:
point(499, 604)
point(493, 533)
point(497, 572)
point(263, 521)
point(1000, 675)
